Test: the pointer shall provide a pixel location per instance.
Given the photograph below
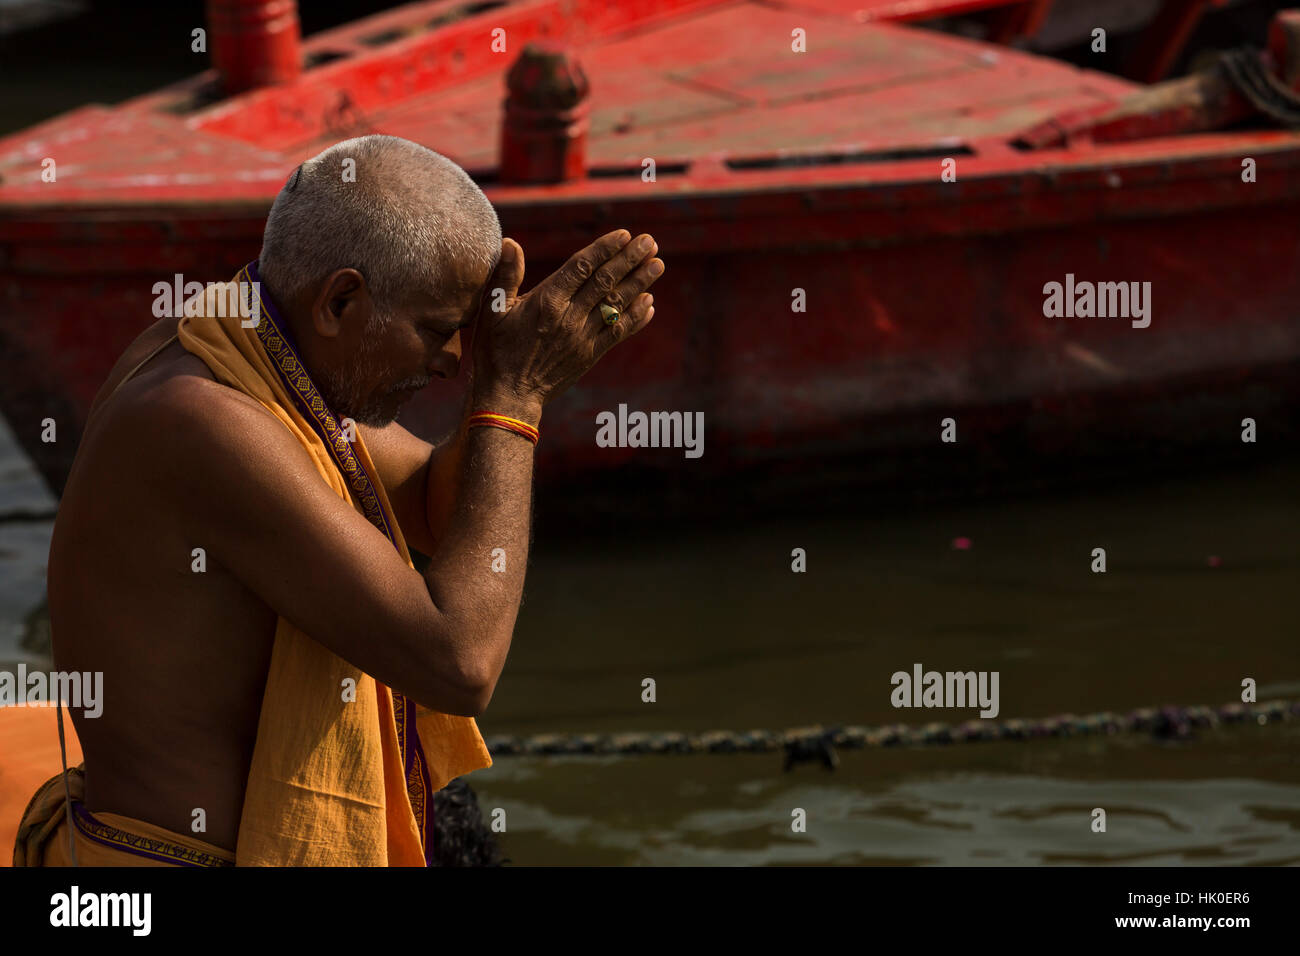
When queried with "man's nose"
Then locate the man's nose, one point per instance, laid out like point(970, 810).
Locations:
point(446, 363)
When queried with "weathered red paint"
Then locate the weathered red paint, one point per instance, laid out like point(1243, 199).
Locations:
point(1206, 100)
point(775, 171)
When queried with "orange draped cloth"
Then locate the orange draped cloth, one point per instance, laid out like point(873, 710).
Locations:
point(332, 783)
point(102, 839)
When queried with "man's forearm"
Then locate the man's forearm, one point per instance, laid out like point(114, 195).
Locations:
point(443, 480)
point(485, 504)
point(446, 461)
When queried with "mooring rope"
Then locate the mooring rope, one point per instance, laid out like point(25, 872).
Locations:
point(817, 743)
point(1246, 71)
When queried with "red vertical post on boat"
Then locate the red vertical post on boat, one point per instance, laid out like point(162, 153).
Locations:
point(254, 42)
point(544, 133)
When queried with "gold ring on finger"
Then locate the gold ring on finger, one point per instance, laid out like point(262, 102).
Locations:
point(609, 313)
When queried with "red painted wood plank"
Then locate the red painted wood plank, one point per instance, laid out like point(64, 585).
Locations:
point(99, 149)
point(901, 11)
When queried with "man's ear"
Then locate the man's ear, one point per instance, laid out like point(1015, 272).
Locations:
point(341, 297)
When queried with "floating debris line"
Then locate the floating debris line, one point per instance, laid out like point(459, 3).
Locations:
point(817, 744)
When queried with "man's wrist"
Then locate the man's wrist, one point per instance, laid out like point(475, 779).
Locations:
point(503, 401)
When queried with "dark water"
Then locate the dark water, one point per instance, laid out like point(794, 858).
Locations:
point(735, 640)
point(1199, 593)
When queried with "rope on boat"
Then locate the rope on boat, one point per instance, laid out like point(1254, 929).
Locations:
point(817, 744)
point(1248, 73)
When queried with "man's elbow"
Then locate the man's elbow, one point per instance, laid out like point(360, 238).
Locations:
point(460, 691)
point(466, 701)
point(478, 679)
point(485, 697)
point(456, 680)
point(477, 694)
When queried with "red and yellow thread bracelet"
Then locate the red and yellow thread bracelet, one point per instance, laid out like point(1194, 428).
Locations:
point(503, 421)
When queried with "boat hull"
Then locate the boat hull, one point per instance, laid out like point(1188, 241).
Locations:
point(917, 306)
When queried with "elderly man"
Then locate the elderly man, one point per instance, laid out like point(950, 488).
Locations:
point(281, 685)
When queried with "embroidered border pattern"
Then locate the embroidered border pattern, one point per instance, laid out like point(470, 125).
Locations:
point(161, 850)
point(299, 384)
point(417, 775)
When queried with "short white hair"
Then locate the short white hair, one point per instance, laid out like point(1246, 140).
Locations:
point(397, 214)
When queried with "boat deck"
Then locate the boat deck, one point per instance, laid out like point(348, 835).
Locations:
point(676, 91)
point(712, 87)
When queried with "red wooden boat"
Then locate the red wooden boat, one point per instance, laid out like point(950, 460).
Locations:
point(775, 171)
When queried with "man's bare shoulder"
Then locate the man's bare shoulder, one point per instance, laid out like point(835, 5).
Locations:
point(144, 343)
point(184, 428)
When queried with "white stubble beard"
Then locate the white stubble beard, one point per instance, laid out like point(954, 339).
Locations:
point(343, 392)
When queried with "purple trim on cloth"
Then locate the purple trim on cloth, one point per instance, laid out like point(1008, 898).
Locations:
point(278, 342)
point(148, 847)
point(418, 785)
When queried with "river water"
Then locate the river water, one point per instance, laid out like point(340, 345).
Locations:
point(1199, 593)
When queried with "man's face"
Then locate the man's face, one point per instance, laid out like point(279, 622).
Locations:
point(421, 339)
